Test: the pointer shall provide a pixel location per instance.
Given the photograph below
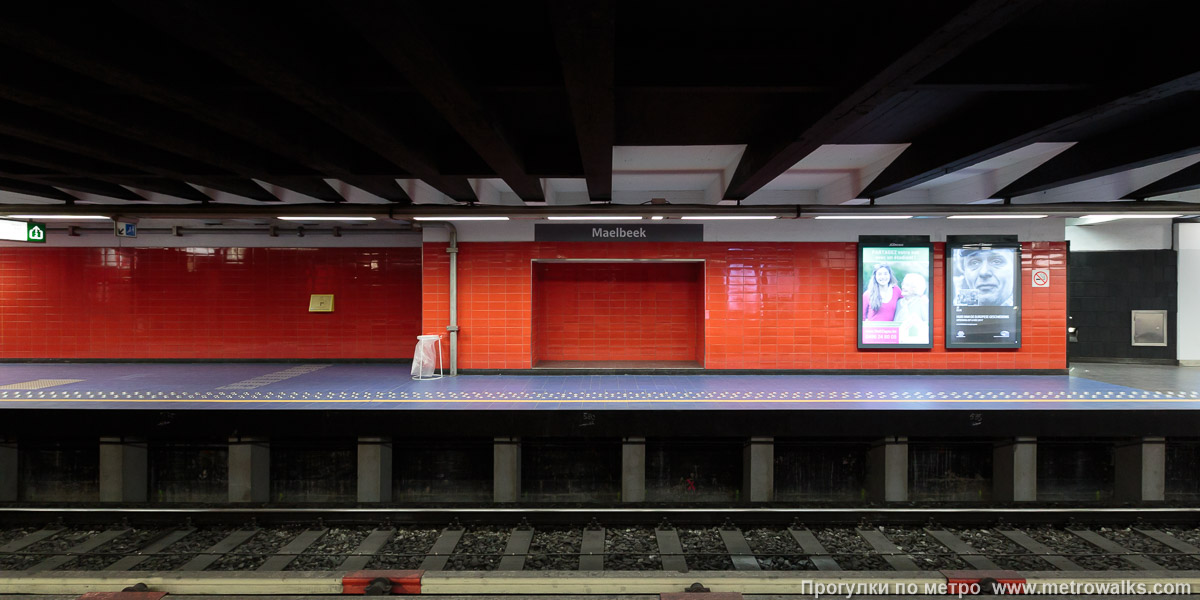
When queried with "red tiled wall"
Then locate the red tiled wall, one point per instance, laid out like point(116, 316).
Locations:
point(768, 305)
point(233, 303)
point(617, 311)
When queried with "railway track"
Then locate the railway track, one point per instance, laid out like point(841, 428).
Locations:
point(223, 553)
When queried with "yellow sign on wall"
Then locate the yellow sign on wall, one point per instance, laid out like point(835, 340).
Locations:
point(320, 303)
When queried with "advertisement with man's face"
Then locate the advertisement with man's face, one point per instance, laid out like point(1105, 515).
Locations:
point(983, 304)
point(893, 305)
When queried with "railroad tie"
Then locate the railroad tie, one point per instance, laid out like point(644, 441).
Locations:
point(1107, 545)
point(1059, 561)
point(84, 547)
point(1171, 542)
point(963, 550)
point(670, 550)
point(889, 551)
point(131, 561)
point(591, 551)
point(24, 542)
point(439, 554)
point(516, 550)
point(292, 550)
point(739, 551)
point(814, 549)
point(367, 550)
point(205, 559)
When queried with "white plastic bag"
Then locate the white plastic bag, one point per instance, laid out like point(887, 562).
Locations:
point(425, 357)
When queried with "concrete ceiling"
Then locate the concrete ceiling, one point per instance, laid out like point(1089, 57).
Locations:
point(137, 106)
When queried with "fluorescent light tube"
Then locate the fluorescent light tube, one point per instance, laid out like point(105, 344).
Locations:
point(1114, 216)
point(326, 218)
point(729, 217)
point(997, 217)
point(596, 218)
point(63, 217)
point(859, 217)
point(455, 218)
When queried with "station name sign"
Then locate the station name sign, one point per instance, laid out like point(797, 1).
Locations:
point(22, 231)
point(608, 232)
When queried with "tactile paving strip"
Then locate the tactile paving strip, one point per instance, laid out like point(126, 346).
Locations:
point(38, 384)
point(270, 378)
point(610, 396)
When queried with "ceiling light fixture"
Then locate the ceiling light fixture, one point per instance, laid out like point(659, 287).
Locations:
point(997, 216)
point(596, 218)
point(326, 218)
point(63, 217)
point(729, 217)
point(456, 218)
point(656, 218)
point(860, 217)
point(1131, 216)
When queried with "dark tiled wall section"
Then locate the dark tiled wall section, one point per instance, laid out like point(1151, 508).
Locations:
point(1104, 287)
point(205, 303)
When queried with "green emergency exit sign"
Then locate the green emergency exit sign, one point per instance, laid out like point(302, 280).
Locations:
point(22, 231)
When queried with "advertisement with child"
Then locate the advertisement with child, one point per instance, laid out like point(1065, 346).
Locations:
point(894, 308)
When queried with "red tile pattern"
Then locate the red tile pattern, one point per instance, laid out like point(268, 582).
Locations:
point(617, 311)
point(767, 305)
point(235, 303)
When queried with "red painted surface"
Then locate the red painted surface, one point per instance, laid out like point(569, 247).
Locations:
point(403, 582)
point(618, 311)
point(961, 583)
point(767, 305)
point(234, 303)
point(123, 596)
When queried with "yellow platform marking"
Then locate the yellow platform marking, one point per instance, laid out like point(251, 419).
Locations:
point(38, 384)
point(599, 400)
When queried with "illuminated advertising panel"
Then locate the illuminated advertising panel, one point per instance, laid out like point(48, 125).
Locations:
point(983, 292)
point(893, 294)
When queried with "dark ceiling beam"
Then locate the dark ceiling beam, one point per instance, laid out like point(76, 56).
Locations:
point(986, 133)
point(1166, 137)
point(763, 161)
point(71, 138)
point(34, 189)
point(79, 184)
point(212, 113)
point(160, 185)
point(398, 32)
point(384, 187)
point(20, 151)
point(585, 35)
point(95, 187)
point(237, 186)
point(144, 130)
point(1184, 180)
point(272, 60)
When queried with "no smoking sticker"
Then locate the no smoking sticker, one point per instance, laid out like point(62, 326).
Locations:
point(1041, 278)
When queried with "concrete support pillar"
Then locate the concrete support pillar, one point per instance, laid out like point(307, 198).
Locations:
point(633, 469)
point(9, 468)
point(374, 469)
point(1141, 470)
point(506, 474)
point(124, 470)
point(758, 469)
point(1014, 470)
point(249, 470)
point(887, 470)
